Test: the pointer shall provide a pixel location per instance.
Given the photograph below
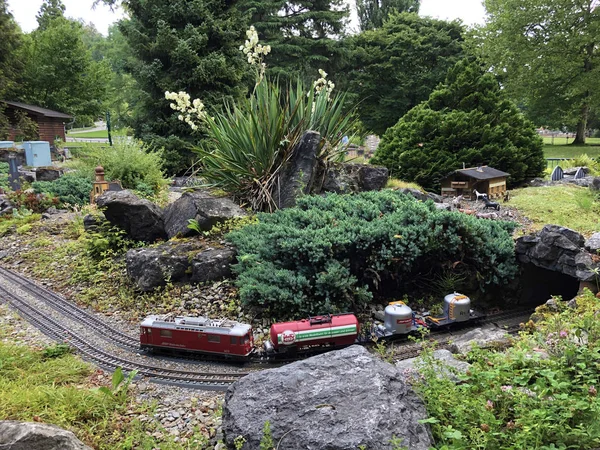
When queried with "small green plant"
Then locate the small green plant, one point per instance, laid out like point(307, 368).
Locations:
point(71, 189)
point(239, 442)
point(57, 350)
point(119, 384)
point(266, 442)
point(396, 443)
point(37, 203)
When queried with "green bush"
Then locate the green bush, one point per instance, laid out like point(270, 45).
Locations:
point(333, 253)
point(71, 189)
point(469, 121)
point(3, 175)
point(37, 203)
point(127, 161)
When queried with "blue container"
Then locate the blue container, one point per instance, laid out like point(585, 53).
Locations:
point(7, 144)
point(37, 153)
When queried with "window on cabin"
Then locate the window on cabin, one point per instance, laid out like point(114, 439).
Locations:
point(246, 339)
point(234, 340)
point(214, 338)
point(166, 333)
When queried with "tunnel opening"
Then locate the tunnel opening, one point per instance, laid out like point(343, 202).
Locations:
point(538, 285)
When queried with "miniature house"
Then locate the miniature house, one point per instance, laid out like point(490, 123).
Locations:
point(484, 179)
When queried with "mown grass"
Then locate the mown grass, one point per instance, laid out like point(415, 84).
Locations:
point(567, 205)
point(96, 134)
point(563, 148)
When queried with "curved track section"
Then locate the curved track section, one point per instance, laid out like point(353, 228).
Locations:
point(53, 329)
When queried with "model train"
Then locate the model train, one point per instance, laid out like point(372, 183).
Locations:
point(234, 340)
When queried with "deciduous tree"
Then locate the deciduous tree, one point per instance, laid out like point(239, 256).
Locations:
point(468, 120)
point(50, 10)
point(548, 54)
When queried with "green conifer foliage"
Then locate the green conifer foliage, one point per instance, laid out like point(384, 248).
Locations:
point(188, 45)
point(334, 253)
point(469, 121)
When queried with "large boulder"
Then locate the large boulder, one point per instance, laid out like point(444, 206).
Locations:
point(37, 436)
point(488, 335)
point(558, 249)
point(595, 184)
point(201, 206)
point(346, 178)
point(298, 174)
point(151, 267)
point(342, 400)
point(140, 218)
point(212, 264)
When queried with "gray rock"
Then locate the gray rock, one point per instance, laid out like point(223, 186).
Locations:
point(573, 170)
point(350, 177)
point(421, 196)
point(538, 182)
point(445, 357)
point(48, 173)
point(37, 436)
point(481, 337)
point(201, 206)
point(152, 267)
point(27, 175)
point(595, 184)
point(140, 218)
point(444, 206)
point(297, 176)
point(91, 222)
point(341, 400)
point(373, 178)
point(212, 264)
point(592, 244)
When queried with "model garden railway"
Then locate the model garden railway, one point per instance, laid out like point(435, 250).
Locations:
point(67, 308)
point(53, 329)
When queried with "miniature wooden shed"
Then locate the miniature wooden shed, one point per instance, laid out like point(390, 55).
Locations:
point(484, 179)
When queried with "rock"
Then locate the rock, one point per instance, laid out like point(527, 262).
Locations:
point(445, 357)
point(481, 337)
point(444, 206)
point(140, 218)
point(6, 206)
point(422, 196)
point(592, 244)
point(27, 175)
point(558, 249)
point(91, 222)
point(151, 267)
point(201, 206)
point(346, 178)
point(595, 184)
point(37, 436)
point(341, 400)
point(573, 170)
point(297, 176)
point(212, 264)
point(539, 182)
point(551, 304)
point(48, 173)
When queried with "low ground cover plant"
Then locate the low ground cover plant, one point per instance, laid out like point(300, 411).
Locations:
point(539, 394)
point(334, 253)
point(70, 189)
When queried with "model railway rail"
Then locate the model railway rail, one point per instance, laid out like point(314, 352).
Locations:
point(54, 330)
point(65, 307)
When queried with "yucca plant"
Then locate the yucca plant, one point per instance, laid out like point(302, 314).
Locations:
point(251, 141)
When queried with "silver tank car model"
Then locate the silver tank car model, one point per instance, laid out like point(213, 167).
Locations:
point(398, 318)
point(457, 307)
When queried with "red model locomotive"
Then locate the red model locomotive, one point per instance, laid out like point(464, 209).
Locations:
point(197, 334)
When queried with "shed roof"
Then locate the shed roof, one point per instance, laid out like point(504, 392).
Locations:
point(38, 110)
point(482, 173)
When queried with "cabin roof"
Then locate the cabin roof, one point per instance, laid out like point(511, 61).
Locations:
point(37, 110)
point(482, 173)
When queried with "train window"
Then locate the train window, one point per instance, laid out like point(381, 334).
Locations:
point(246, 339)
point(234, 340)
point(166, 333)
point(213, 338)
point(149, 330)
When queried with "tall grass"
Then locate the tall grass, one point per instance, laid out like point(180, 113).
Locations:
point(251, 141)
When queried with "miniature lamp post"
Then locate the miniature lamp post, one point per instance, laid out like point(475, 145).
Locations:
point(99, 186)
point(13, 172)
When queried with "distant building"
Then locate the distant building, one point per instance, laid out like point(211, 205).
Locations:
point(484, 179)
point(51, 124)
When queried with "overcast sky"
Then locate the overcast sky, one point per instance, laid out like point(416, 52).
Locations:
point(470, 11)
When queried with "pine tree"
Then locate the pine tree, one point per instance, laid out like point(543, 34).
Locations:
point(467, 120)
point(185, 45)
point(303, 34)
point(10, 41)
point(372, 13)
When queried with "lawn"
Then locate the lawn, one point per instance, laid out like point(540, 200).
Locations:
point(567, 205)
point(560, 149)
point(101, 134)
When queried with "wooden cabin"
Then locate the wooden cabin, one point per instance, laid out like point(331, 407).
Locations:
point(51, 124)
point(484, 179)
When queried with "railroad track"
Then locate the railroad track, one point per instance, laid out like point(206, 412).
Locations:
point(65, 307)
point(55, 330)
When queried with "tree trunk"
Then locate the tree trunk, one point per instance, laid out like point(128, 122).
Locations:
point(582, 126)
